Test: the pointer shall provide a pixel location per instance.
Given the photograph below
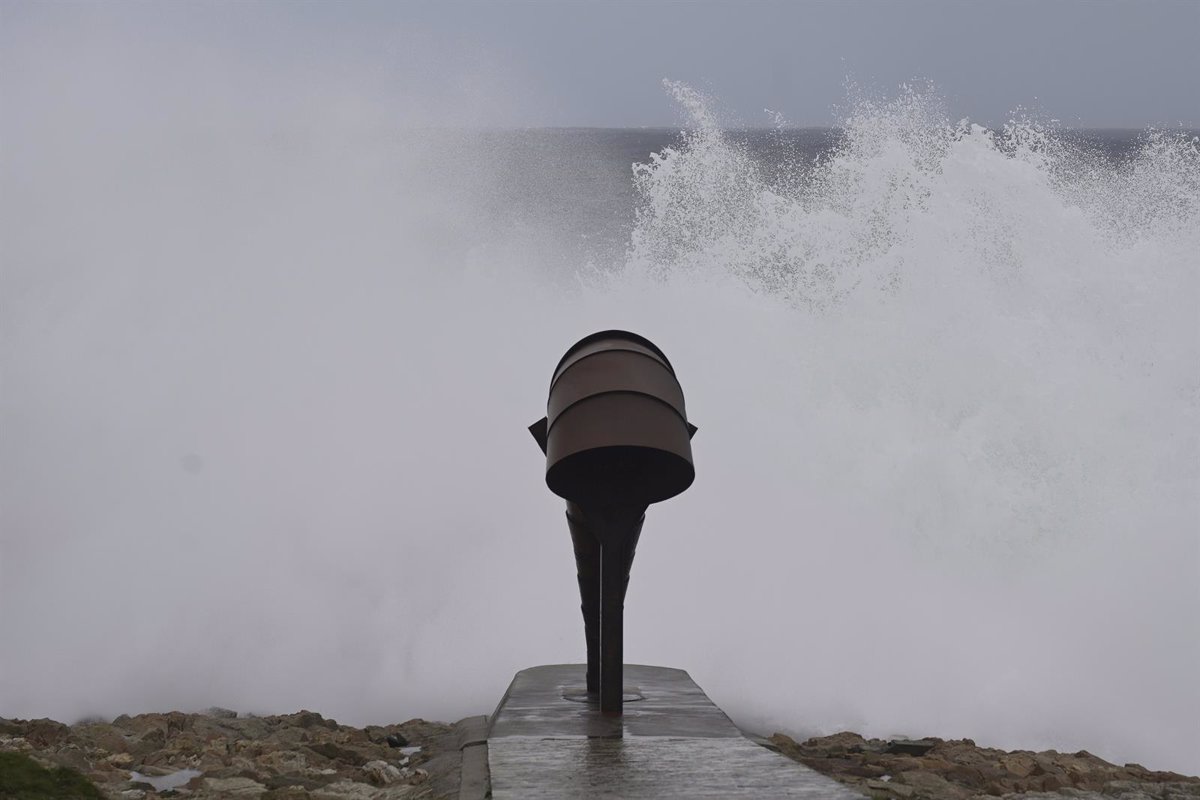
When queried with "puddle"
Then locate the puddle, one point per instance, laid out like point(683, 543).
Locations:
point(410, 751)
point(162, 783)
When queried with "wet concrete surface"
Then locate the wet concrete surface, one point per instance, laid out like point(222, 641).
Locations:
point(674, 743)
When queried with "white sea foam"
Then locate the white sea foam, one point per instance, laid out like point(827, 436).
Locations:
point(947, 382)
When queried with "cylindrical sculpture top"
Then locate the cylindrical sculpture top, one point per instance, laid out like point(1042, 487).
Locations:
point(616, 430)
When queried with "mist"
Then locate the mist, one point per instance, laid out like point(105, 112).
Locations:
point(270, 344)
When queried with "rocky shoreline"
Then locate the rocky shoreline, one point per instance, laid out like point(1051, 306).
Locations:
point(221, 754)
point(960, 770)
point(304, 756)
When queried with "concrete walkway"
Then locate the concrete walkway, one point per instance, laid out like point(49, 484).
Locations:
point(672, 742)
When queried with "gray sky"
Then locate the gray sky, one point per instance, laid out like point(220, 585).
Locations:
point(601, 63)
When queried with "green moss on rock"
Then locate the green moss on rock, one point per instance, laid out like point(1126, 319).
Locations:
point(22, 778)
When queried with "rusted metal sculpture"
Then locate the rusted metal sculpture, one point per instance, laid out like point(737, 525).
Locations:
point(616, 439)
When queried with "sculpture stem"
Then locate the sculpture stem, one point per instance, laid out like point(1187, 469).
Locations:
point(618, 535)
point(587, 567)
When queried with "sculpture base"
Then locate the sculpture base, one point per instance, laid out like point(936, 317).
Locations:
point(672, 743)
point(580, 694)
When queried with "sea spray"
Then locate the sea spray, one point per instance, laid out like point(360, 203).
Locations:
point(951, 404)
point(266, 383)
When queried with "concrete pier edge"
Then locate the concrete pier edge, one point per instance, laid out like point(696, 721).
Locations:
point(475, 780)
point(673, 744)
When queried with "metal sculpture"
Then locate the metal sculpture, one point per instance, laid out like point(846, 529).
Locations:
point(616, 439)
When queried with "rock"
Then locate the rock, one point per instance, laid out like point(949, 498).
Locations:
point(102, 736)
point(345, 790)
point(15, 744)
point(308, 719)
point(896, 789)
point(287, 793)
point(305, 756)
point(283, 761)
point(149, 742)
point(335, 752)
point(838, 743)
point(221, 713)
point(401, 792)
point(900, 764)
point(1051, 783)
point(44, 733)
point(71, 756)
point(381, 773)
point(953, 769)
point(233, 787)
point(417, 730)
point(933, 785)
point(1020, 764)
point(911, 747)
point(297, 781)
